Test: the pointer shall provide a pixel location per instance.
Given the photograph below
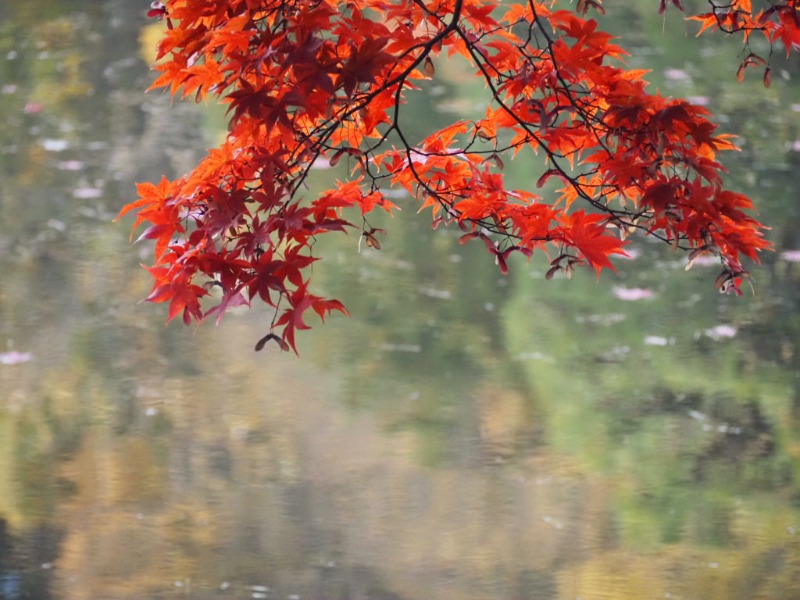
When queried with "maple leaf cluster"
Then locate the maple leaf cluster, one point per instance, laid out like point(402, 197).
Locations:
point(778, 22)
point(312, 82)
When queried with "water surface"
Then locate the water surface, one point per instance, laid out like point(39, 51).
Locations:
point(463, 435)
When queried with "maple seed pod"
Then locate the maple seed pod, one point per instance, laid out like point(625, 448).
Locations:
point(500, 259)
point(428, 68)
point(157, 9)
point(497, 160)
point(271, 337)
point(372, 241)
point(334, 160)
point(695, 254)
point(724, 281)
point(263, 341)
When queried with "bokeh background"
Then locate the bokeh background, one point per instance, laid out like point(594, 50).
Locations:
point(463, 435)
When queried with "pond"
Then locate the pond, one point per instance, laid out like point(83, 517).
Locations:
point(463, 435)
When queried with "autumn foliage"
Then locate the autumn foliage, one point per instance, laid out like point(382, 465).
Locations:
point(310, 82)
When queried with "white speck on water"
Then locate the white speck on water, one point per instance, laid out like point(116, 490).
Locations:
point(553, 522)
point(617, 352)
point(677, 75)
point(434, 293)
point(720, 332)
point(534, 355)
point(321, 164)
point(790, 255)
point(412, 348)
point(69, 165)
point(395, 193)
point(656, 340)
point(699, 100)
point(697, 415)
point(12, 357)
point(88, 212)
point(54, 145)
point(598, 319)
point(86, 193)
point(631, 294)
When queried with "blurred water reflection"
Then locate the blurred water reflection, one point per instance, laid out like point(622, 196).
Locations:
point(463, 435)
